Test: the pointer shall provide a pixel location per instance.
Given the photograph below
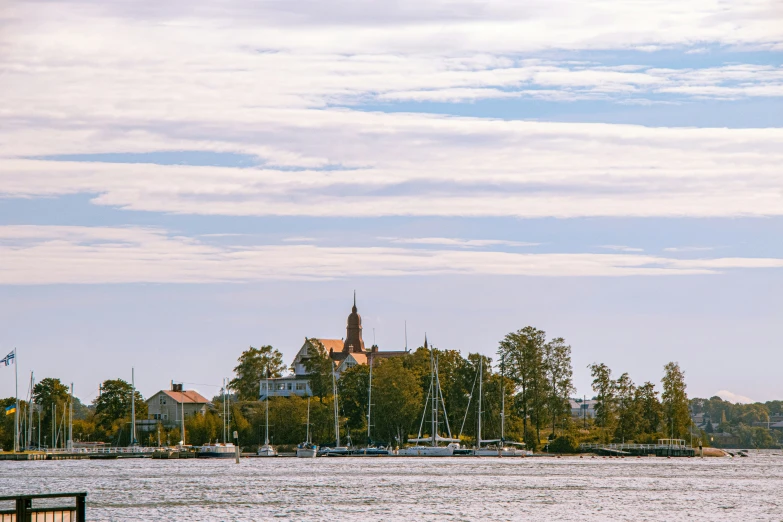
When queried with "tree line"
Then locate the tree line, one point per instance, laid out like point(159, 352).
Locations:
point(531, 375)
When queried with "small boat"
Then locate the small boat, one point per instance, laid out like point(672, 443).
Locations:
point(307, 450)
point(217, 451)
point(266, 450)
point(428, 451)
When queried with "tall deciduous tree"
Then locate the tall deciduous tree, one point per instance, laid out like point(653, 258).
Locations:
point(522, 356)
point(674, 400)
point(47, 392)
point(559, 373)
point(252, 369)
point(353, 390)
point(649, 408)
point(605, 405)
point(627, 416)
point(114, 402)
point(397, 398)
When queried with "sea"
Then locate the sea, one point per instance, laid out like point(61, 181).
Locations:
point(414, 489)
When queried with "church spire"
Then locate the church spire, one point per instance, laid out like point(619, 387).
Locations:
point(353, 334)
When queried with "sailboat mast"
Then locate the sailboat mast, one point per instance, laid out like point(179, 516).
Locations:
point(502, 401)
point(369, 403)
point(308, 420)
point(434, 413)
point(30, 413)
point(266, 436)
point(70, 420)
point(133, 407)
point(336, 415)
point(481, 381)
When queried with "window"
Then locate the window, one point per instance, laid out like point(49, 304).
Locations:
point(263, 386)
point(281, 386)
point(300, 386)
point(163, 399)
point(164, 416)
point(290, 386)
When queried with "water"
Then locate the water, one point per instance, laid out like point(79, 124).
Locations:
point(413, 489)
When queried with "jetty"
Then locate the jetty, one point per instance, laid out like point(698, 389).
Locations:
point(663, 448)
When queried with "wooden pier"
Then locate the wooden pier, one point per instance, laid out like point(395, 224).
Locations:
point(664, 448)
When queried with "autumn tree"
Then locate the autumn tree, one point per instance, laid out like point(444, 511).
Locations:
point(648, 408)
point(559, 373)
point(252, 368)
point(605, 405)
point(627, 413)
point(114, 403)
point(48, 392)
point(674, 399)
point(398, 400)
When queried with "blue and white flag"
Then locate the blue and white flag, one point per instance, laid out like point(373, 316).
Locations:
point(8, 359)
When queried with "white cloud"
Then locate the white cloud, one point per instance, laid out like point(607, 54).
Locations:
point(733, 397)
point(689, 249)
point(414, 164)
point(622, 248)
point(448, 241)
point(33, 255)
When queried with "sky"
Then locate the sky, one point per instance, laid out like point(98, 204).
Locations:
point(181, 180)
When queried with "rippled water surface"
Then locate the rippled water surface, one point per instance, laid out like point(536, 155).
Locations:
point(414, 489)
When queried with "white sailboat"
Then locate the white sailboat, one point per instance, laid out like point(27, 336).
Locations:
point(266, 450)
point(224, 450)
point(337, 450)
point(370, 450)
point(495, 447)
point(433, 449)
point(307, 449)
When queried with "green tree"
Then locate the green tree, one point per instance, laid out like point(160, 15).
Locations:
point(353, 391)
point(606, 402)
point(627, 412)
point(648, 407)
point(319, 367)
point(522, 355)
point(559, 373)
point(398, 400)
point(252, 369)
point(676, 415)
point(114, 403)
point(48, 392)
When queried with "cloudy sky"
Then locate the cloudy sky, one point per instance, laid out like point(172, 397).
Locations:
point(182, 179)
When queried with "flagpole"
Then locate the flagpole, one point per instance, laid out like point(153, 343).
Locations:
point(16, 411)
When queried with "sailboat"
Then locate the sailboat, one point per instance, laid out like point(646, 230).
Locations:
point(433, 449)
point(370, 450)
point(307, 449)
point(337, 450)
point(266, 450)
point(224, 450)
point(495, 447)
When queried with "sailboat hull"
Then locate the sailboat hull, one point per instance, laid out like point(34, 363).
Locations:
point(500, 452)
point(427, 451)
point(306, 453)
point(267, 451)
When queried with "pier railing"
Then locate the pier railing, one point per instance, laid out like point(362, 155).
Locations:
point(619, 447)
point(24, 509)
point(93, 451)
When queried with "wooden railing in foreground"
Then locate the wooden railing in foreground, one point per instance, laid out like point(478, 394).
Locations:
point(25, 511)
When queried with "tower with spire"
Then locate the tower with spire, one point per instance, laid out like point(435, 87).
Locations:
point(353, 332)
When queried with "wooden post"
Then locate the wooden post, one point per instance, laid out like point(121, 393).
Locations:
point(23, 507)
point(236, 445)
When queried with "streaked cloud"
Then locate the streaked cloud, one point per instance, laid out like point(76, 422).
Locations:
point(458, 242)
point(622, 248)
point(33, 255)
point(689, 249)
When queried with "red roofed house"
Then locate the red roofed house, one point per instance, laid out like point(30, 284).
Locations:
point(167, 405)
